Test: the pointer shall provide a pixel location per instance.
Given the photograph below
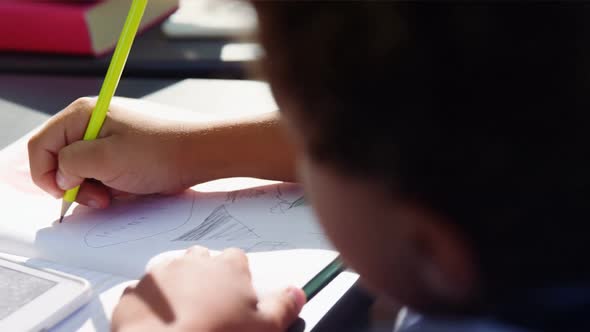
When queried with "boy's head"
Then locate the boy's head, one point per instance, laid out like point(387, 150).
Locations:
point(444, 147)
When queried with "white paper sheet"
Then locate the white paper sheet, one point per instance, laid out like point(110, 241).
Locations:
point(124, 237)
point(251, 214)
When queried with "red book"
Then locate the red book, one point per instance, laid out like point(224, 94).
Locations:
point(71, 27)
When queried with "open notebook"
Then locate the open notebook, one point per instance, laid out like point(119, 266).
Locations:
point(111, 248)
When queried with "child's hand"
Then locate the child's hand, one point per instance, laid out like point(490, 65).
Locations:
point(140, 155)
point(201, 293)
point(134, 154)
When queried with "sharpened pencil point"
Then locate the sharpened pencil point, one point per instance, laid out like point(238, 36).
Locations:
point(65, 205)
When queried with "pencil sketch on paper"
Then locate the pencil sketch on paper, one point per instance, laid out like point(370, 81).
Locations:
point(220, 225)
point(142, 219)
point(284, 204)
point(233, 196)
point(298, 202)
point(269, 246)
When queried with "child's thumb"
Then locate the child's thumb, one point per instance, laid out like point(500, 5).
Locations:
point(84, 159)
point(281, 309)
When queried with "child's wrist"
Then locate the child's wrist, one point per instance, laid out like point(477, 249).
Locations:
point(251, 147)
point(206, 153)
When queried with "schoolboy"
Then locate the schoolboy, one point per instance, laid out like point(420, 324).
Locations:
point(443, 147)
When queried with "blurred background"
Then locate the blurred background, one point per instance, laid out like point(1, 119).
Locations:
point(52, 52)
point(179, 38)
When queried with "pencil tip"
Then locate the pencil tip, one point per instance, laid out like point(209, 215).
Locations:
point(65, 205)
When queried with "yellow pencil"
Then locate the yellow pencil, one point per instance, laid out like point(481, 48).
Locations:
point(109, 85)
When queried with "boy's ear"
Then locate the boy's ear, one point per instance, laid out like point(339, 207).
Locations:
point(444, 259)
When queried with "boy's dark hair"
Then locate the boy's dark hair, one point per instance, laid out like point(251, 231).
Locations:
point(479, 112)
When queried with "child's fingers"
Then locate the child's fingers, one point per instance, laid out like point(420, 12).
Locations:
point(237, 258)
point(85, 159)
point(43, 165)
point(278, 311)
point(67, 126)
point(115, 193)
point(46, 181)
point(197, 252)
point(94, 195)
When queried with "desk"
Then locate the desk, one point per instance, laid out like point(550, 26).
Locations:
point(27, 101)
point(153, 55)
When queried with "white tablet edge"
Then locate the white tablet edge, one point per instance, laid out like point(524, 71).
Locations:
point(69, 294)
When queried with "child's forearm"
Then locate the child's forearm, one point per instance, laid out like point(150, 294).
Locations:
point(249, 147)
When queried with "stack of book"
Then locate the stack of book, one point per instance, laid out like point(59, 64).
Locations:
point(71, 27)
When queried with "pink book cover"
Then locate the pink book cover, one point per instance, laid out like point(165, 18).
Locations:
point(51, 27)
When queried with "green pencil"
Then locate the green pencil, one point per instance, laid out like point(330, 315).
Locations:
point(109, 85)
point(323, 278)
